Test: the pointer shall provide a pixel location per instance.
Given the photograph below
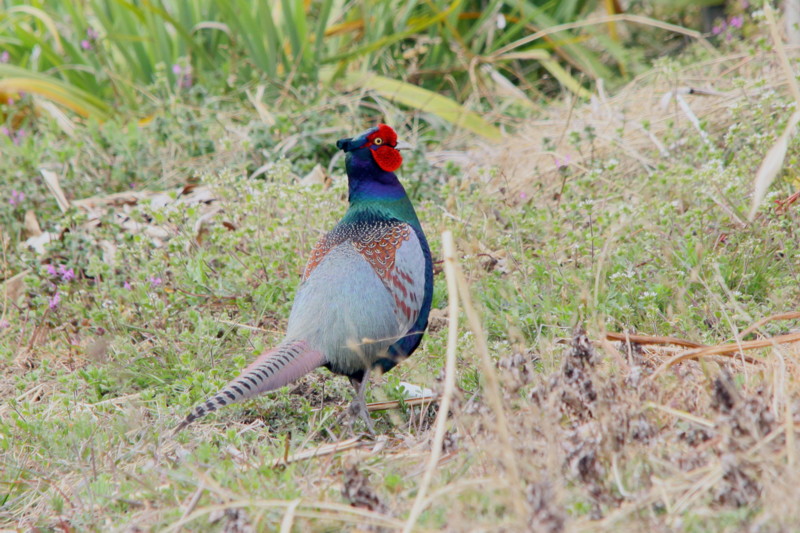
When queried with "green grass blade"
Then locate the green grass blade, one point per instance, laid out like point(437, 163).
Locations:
point(553, 67)
point(45, 19)
point(322, 23)
point(187, 41)
point(425, 100)
point(13, 78)
point(295, 29)
point(579, 55)
point(399, 36)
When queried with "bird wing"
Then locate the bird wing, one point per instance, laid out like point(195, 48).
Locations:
point(362, 290)
point(396, 256)
point(393, 250)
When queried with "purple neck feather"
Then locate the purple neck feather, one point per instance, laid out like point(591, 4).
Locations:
point(367, 181)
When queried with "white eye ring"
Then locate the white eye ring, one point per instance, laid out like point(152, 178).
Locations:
point(378, 141)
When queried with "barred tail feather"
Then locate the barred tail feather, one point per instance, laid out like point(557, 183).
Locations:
point(272, 370)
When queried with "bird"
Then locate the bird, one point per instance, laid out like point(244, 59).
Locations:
point(365, 293)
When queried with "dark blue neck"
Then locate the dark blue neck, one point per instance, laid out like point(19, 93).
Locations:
point(367, 182)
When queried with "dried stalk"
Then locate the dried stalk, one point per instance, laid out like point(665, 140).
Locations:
point(449, 253)
point(652, 339)
point(729, 350)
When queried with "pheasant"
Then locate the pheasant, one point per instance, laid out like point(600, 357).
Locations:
point(366, 291)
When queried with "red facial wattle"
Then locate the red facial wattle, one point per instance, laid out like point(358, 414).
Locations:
point(387, 157)
point(382, 144)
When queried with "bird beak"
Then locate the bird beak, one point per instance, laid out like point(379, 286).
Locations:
point(402, 145)
point(344, 144)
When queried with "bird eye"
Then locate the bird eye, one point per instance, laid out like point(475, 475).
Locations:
point(378, 141)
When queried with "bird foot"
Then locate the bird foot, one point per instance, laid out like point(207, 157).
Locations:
point(358, 409)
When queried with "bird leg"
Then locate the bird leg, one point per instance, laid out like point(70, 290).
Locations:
point(359, 406)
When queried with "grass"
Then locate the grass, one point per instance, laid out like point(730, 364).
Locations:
point(461, 60)
point(174, 293)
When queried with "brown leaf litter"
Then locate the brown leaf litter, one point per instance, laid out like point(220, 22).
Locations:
point(359, 492)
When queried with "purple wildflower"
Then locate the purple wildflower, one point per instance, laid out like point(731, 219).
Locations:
point(5, 57)
point(561, 164)
point(737, 21)
point(184, 75)
point(127, 286)
point(186, 81)
point(719, 28)
point(15, 136)
point(51, 269)
point(67, 274)
point(4, 324)
point(53, 302)
point(154, 281)
point(16, 198)
point(91, 37)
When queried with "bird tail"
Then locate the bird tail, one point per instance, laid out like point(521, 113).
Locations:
point(272, 370)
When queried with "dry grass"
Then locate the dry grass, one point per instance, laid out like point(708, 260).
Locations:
point(642, 126)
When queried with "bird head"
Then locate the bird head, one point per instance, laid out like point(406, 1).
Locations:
point(378, 144)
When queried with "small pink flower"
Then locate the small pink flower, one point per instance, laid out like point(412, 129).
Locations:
point(5, 57)
point(10, 101)
point(719, 28)
point(561, 164)
point(86, 45)
point(186, 81)
point(92, 34)
point(4, 324)
point(67, 274)
point(127, 286)
point(522, 195)
point(16, 198)
point(154, 281)
point(50, 269)
point(184, 75)
point(737, 21)
point(18, 136)
point(53, 302)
